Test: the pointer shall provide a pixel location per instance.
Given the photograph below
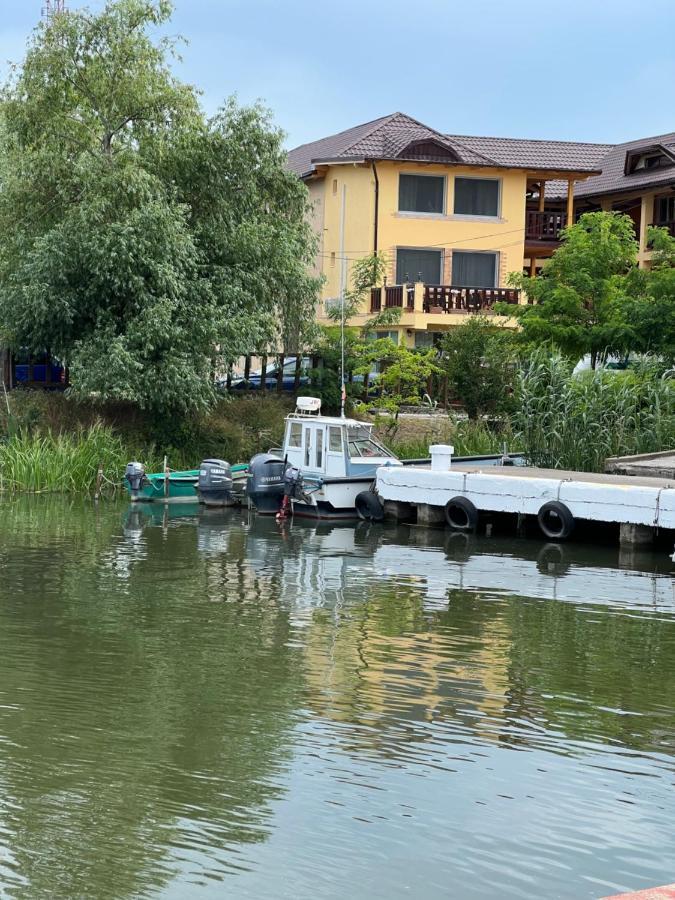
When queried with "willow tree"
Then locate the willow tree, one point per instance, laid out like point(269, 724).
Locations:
point(139, 241)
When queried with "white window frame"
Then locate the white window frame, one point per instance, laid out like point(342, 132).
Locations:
point(468, 217)
point(422, 215)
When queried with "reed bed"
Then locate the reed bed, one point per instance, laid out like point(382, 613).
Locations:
point(576, 421)
point(62, 463)
point(469, 438)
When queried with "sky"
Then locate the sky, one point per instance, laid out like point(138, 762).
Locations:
point(588, 70)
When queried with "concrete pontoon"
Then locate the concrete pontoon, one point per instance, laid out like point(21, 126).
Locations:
point(639, 505)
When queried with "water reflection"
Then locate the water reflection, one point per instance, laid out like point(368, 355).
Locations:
point(189, 696)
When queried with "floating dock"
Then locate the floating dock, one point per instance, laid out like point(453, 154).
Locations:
point(445, 493)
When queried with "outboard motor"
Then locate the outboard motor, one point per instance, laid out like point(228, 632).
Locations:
point(265, 486)
point(215, 483)
point(294, 487)
point(134, 476)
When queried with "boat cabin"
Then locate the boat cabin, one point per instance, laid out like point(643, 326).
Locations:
point(331, 446)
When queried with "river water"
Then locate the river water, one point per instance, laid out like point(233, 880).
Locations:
point(204, 705)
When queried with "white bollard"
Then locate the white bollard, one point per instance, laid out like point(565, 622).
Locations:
point(441, 457)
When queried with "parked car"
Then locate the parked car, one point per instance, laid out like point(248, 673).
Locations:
point(254, 380)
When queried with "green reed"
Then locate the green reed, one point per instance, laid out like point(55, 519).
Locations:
point(469, 438)
point(62, 463)
point(577, 421)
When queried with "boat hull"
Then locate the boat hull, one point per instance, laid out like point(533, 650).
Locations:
point(182, 487)
point(335, 499)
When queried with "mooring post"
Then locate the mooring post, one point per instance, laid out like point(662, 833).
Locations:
point(166, 476)
point(99, 482)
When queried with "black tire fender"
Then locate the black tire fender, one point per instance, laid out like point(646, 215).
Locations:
point(555, 521)
point(369, 507)
point(461, 514)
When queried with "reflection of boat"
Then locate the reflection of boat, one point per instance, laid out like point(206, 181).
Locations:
point(312, 561)
point(139, 514)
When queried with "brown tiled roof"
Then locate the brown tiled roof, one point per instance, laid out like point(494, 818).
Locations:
point(394, 137)
point(613, 178)
point(385, 138)
point(522, 153)
point(399, 136)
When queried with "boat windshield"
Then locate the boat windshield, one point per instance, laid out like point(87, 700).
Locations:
point(361, 444)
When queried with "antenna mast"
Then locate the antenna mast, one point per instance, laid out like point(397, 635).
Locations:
point(53, 8)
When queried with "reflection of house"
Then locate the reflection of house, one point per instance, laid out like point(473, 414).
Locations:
point(453, 215)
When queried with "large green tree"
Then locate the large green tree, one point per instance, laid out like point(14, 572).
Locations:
point(140, 242)
point(579, 300)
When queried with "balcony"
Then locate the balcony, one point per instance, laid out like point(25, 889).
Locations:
point(544, 226)
point(440, 299)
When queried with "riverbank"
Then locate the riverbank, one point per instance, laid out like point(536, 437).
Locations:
point(558, 420)
point(54, 444)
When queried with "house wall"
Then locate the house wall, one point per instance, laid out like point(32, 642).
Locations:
point(446, 232)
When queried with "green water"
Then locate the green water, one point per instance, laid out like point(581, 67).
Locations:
point(207, 706)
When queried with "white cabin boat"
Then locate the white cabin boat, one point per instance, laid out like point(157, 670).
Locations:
point(325, 463)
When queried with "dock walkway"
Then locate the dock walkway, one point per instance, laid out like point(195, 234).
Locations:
point(624, 499)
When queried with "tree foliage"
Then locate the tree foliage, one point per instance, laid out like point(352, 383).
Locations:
point(650, 305)
point(478, 360)
point(139, 242)
point(579, 298)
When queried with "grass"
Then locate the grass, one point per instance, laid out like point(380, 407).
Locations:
point(61, 463)
point(54, 444)
point(469, 438)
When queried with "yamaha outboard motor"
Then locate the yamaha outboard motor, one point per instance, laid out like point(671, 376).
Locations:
point(215, 483)
point(265, 486)
point(134, 476)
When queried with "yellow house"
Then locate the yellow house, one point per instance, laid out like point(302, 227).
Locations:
point(452, 216)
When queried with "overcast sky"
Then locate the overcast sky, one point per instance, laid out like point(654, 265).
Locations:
point(595, 70)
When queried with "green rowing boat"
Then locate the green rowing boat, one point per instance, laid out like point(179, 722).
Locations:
point(181, 485)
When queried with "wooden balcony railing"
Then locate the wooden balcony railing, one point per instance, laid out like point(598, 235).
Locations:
point(544, 226)
point(442, 298)
point(394, 295)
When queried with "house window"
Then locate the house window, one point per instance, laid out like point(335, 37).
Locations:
point(382, 336)
point(665, 210)
point(425, 340)
point(477, 197)
point(418, 265)
point(643, 162)
point(332, 258)
point(474, 269)
point(421, 193)
point(295, 435)
point(335, 439)
point(335, 186)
